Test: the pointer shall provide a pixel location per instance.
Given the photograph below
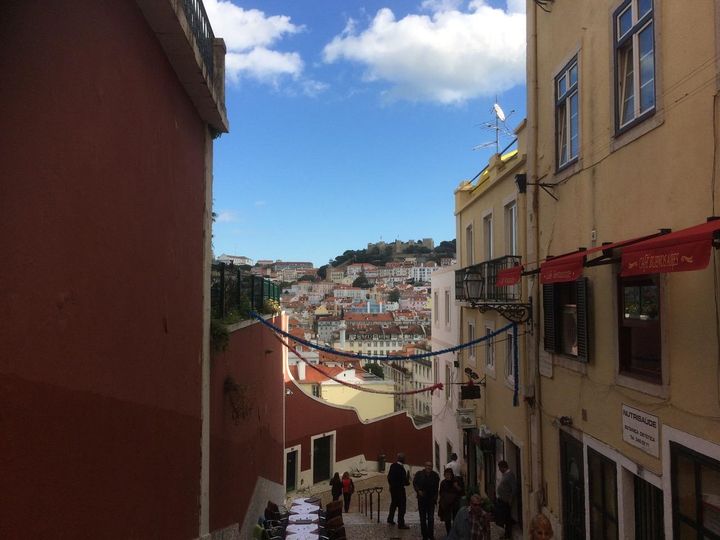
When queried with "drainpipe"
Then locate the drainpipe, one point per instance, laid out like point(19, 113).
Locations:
point(532, 253)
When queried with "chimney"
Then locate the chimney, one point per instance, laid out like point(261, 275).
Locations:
point(301, 371)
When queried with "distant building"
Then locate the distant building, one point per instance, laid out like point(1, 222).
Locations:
point(235, 259)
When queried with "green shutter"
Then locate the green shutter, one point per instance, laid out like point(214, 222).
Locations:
point(583, 319)
point(549, 329)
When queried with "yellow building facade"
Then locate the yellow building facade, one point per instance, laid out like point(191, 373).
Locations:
point(489, 213)
point(625, 351)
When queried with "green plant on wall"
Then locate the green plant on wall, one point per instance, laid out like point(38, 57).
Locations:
point(271, 306)
point(219, 336)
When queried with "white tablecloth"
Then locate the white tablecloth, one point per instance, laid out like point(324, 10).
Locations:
point(295, 528)
point(302, 536)
point(313, 518)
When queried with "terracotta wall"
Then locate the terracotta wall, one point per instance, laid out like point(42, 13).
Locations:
point(101, 229)
point(250, 446)
point(306, 417)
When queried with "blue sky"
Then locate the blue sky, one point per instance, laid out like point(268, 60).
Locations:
point(354, 120)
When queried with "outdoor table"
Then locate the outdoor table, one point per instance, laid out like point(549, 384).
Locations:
point(304, 509)
point(302, 536)
point(297, 529)
point(303, 518)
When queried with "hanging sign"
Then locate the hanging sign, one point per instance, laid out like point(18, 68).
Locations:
point(641, 430)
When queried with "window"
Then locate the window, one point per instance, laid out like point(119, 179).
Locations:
point(436, 306)
point(488, 237)
point(469, 245)
point(489, 349)
point(565, 317)
point(316, 390)
point(634, 61)
point(447, 382)
point(602, 475)
point(649, 521)
point(567, 114)
point(511, 247)
point(639, 327)
point(471, 337)
point(695, 482)
point(509, 357)
point(447, 308)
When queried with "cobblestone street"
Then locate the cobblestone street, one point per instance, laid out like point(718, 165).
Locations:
point(360, 527)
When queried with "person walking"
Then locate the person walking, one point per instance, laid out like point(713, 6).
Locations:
point(471, 522)
point(336, 487)
point(449, 498)
point(348, 488)
point(506, 492)
point(398, 478)
point(453, 464)
point(426, 484)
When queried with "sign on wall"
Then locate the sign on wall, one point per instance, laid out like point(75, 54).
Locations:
point(641, 429)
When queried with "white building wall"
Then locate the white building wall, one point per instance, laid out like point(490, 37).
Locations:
point(445, 335)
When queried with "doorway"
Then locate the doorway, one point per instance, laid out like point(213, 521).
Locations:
point(321, 458)
point(572, 467)
point(514, 459)
point(291, 470)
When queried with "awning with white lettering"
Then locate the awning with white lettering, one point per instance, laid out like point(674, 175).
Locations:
point(570, 267)
point(679, 251)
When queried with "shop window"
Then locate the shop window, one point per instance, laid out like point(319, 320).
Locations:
point(649, 521)
point(565, 318)
point(602, 484)
point(695, 494)
point(639, 327)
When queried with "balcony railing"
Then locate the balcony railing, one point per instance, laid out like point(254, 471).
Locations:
point(477, 283)
point(236, 292)
point(202, 31)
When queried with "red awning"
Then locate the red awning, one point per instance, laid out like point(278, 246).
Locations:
point(570, 267)
point(679, 251)
point(509, 276)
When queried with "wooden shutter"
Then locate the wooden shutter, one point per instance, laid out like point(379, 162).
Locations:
point(583, 319)
point(549, 327)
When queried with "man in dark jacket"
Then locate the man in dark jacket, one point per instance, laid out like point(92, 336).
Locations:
point(397, 480)
point(426, 483)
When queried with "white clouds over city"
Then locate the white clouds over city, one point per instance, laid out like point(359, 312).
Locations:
point(449, 55)
point(250, 35)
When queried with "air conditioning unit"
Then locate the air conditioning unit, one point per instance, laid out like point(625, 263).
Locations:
point(466, 418)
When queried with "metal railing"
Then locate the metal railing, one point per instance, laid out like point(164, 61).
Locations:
point(365, 501)
point(237, 291)
point(477, 283)
point(202, 31)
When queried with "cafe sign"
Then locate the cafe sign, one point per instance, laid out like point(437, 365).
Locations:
point(641, 430)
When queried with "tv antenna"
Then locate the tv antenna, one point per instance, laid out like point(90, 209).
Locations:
point(498, 126)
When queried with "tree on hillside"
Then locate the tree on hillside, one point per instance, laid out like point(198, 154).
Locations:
point(394, 296)
point(322, 271)
point(362, 281)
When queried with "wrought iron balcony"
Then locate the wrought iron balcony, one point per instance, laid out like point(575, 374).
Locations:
point(477, 285)
point(202, 31)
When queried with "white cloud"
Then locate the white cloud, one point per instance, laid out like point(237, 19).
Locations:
point(226, 216)
point(249, 35)
point(449, 56)
point(260, 203)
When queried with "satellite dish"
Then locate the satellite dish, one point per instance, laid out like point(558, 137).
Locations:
point(499, 112)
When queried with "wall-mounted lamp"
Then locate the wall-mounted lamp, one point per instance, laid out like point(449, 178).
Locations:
point(566, 421)
point(522, 184)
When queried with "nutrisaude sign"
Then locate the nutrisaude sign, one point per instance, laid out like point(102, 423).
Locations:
point(641, 430)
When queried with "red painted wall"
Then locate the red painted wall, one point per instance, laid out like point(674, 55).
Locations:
point(252, 446)
point(101, 229)
point(307, 417)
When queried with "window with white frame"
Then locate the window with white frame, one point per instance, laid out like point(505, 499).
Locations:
point(488, 236)
point(511, 247)
point(509, 357)
point(489, 349)
point(469, 245)
point(634, 61)
point(448, 377)
point(567, 114)
point(436, 306)
point(447, 308)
